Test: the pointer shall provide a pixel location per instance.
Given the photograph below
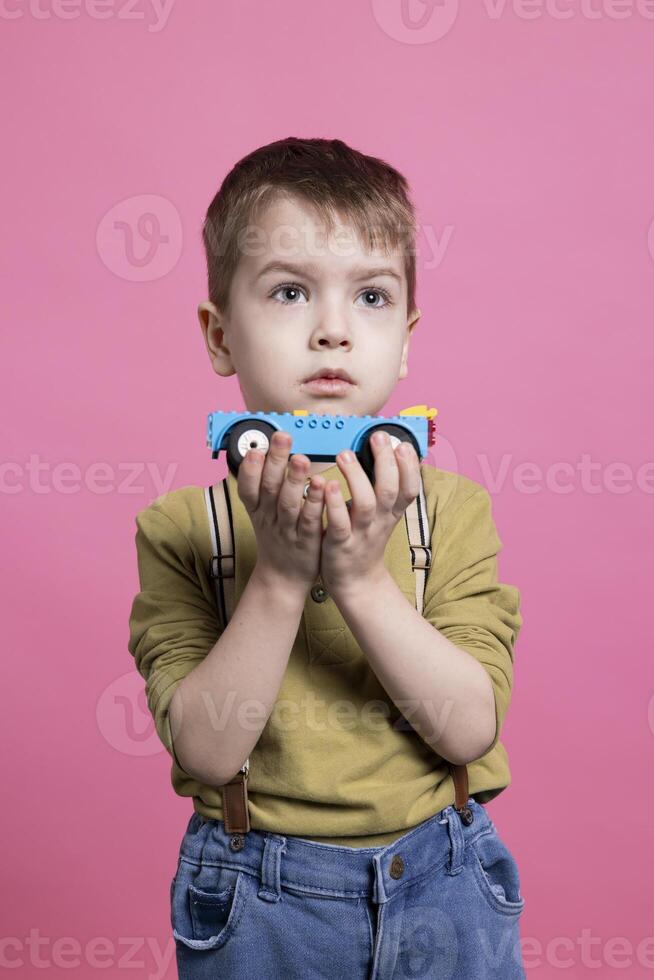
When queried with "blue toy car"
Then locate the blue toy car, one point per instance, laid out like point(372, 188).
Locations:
point(320, 437)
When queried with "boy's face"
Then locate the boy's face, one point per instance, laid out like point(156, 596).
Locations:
point(321, 307)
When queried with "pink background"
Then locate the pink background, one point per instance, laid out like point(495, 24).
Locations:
point(527, 141)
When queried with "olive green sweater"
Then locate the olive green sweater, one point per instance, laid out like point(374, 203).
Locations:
point(361, 785)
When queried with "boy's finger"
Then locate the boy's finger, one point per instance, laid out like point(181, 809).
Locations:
point(387, 474)
point(274, 470)
point(359, 484)
point(249, 477)
point(338, 524)
point(289, 501)
point(409, 467)
point(312, 507)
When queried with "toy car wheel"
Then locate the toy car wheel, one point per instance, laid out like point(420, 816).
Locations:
point(244, 436)
point(397, 435)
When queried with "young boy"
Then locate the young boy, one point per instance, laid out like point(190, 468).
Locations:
point(349, 703)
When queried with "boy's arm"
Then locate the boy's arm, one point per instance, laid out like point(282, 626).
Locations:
point(450, 671)
point(196, 677)
point(221, 707)
point(466, 602)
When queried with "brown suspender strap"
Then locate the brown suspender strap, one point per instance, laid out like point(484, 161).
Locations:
point(236, 813)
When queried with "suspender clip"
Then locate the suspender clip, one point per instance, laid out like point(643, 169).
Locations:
point(215, 566)
point(424, 559)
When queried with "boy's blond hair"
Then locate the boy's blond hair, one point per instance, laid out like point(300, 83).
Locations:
point(327, 174)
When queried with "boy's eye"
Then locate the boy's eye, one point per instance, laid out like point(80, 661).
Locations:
point(368, 293)
point(293, 292)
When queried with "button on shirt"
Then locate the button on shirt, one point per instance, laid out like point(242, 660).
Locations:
point(319, 593)
point(359, 777)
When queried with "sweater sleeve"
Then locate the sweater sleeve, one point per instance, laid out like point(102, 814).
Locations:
point(465, 601)
point(173, 624)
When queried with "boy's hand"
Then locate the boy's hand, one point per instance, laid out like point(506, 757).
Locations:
point(354, 542)
point(288, 527)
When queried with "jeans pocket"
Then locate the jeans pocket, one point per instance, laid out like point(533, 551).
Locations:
point(496, 873)
point(205, 916)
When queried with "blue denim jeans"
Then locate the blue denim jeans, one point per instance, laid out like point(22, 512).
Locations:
point(443, 901)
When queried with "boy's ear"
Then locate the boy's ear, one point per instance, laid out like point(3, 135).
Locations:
point(411, 324)
point(212, 324)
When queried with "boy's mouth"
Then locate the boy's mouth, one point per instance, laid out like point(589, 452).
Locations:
point(330, 373)
point(328, 386)
point(329, 381)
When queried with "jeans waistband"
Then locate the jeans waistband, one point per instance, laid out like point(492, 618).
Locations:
point(331, 870)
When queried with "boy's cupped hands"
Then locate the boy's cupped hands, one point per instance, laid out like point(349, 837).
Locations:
point(294, 542)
